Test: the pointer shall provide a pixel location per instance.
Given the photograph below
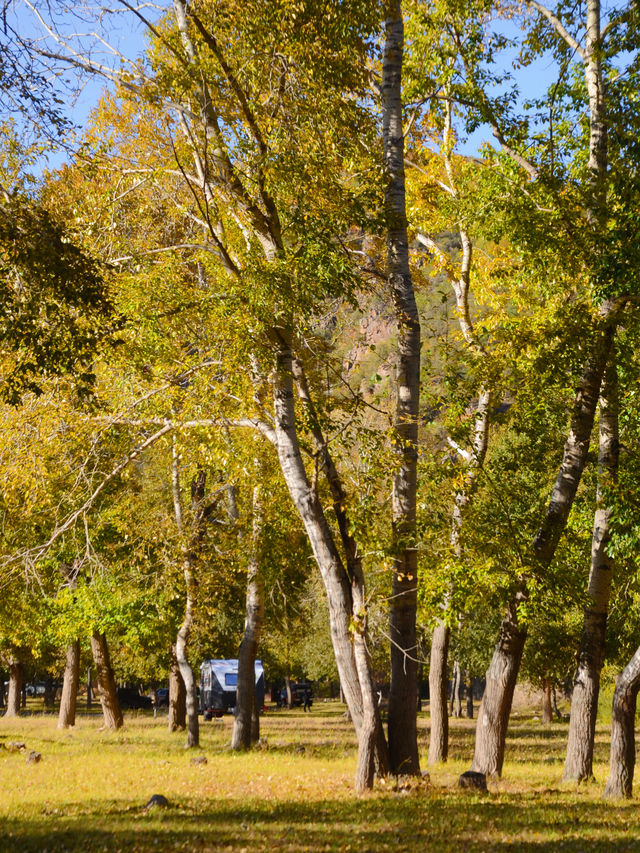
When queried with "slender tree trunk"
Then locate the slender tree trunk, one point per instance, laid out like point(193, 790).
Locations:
point(456, 691)
point(89, 688)
point(547, 709)
point(244, 724)
point(2, 701)
point(190, 557)
point(67, 713)
point(338, 584)
point(106, 682)
point(469, 681)
point(403, 743)
point(584, 702)
point(623, 747)
point(16, 670)
point(439, 733)
point(177, 696)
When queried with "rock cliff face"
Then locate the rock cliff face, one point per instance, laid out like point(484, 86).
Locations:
point(374, 329)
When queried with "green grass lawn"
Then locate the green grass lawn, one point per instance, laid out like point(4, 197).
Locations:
point(294, 793)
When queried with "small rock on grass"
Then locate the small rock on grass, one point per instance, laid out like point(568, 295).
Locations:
point(474, 781)
point(33, 757)
point(199, 759)
point(15, 746)
point(157, 801)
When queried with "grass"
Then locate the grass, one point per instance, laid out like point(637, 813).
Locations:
point(293, 794)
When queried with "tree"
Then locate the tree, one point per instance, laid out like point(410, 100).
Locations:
point(584, 700)
point(403, 695)
point(542, 175)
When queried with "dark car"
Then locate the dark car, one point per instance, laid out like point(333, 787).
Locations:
point(131, 700)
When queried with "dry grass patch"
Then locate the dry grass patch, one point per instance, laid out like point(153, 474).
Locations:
point(294, 793)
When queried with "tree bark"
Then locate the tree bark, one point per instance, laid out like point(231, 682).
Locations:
point(623, 748)
point(403, 693)
point(547, 708)
point(106, 682)
point(456, 690)
point(439, 733)
point(14, 698)
point(246, 723)
point(584, 702)
point(342, 590)
point(469, 681)
point(67, 713)
point(503, 671)
point(189, 564)
point(493, 715)
point(177, 696)
point(577, 444)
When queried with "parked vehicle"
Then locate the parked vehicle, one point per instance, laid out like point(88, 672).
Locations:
point(218, 684)
point(298, 690)
point(131, 700)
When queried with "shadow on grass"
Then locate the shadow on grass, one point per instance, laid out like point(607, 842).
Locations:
point(432, 820)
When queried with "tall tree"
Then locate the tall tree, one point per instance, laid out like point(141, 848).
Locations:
point(403, 695)
point(586, 686)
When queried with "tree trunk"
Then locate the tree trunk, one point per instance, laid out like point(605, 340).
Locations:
point(106, 682)
point(49, 694)
point(584, 701)
point(1, 690)
point(469, 681)
point(177, 696)
point(245, 729)
point(547, 709)
point(456, 690)
point(503, 671)
point(191, 690)
point(190, 556)
point(439, 734)
point(89, 688)
point(67, 713)
point(403, 693)
point(338, 584)
point(623, 748)
point(577, 444)
point(493, 715)
point(16, 670)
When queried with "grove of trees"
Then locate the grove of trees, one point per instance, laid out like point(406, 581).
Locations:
point(295, 367)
